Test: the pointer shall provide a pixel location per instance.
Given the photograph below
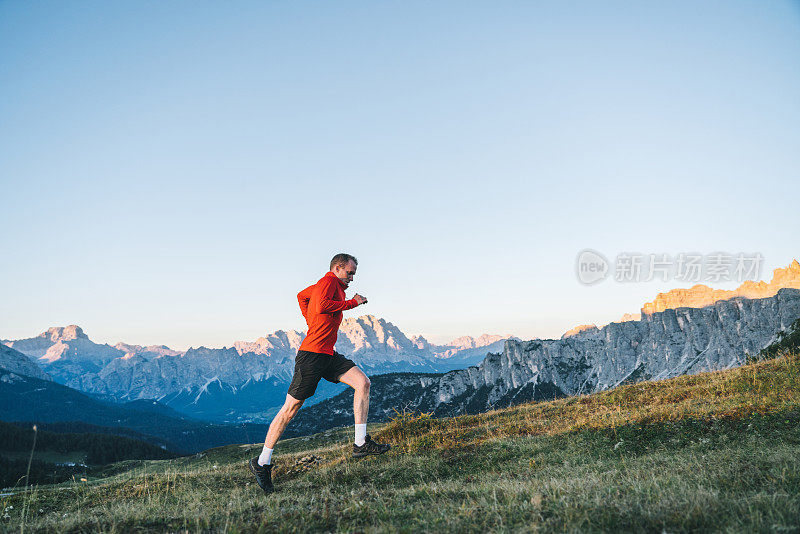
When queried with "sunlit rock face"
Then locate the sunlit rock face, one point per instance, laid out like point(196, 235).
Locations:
point(578, 329)
point(464, 344)
point(41, 345)
point(630, 317)
point(420, 342)
point(701, 295)
point(371, 335)
point(281, 340)
point(66, 352)
point(148, 353)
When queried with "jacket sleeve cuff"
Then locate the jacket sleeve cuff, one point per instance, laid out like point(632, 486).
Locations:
point(352, 303)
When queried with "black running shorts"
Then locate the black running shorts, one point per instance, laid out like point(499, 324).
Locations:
point(309, 367)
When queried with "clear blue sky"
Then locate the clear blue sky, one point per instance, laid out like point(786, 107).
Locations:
point(174, 172)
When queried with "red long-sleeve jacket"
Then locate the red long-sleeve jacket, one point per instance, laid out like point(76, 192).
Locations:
point(322, 305)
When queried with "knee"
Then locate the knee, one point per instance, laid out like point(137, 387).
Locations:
point(365, 384)
point(290, 409)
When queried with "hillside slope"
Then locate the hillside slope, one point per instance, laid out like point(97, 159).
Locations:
point(713, 451)
point(17, 362)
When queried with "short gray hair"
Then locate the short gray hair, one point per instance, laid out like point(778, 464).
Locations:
point(342, 259)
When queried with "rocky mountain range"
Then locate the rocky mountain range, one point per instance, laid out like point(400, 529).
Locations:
point(232, 383)
point(239, 383)
point(701, 295)
point(660, 345)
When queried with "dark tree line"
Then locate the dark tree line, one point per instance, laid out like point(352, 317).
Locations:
point(98, 449)
point(12, 472)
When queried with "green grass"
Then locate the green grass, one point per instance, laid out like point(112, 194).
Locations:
point(712, 452)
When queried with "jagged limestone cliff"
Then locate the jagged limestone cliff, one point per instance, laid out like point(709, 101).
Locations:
point(660, 345)
point(701, 295)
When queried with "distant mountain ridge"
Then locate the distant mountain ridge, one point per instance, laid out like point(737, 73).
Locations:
point(235, 383)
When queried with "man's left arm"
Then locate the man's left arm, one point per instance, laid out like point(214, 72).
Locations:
point(326, 302)
point(303, 298)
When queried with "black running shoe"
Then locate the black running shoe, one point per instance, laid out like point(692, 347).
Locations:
point(369, 447)
point(263, 474)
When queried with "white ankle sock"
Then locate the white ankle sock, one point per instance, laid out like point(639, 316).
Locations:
point(266, 457)
point(361, 434)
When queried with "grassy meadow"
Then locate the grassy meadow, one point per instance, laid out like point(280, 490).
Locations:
point(712, 452)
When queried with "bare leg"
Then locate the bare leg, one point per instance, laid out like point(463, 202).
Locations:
point(282, 418)
point(356, 379)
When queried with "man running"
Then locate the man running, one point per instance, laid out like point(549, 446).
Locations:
point(322, 305)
